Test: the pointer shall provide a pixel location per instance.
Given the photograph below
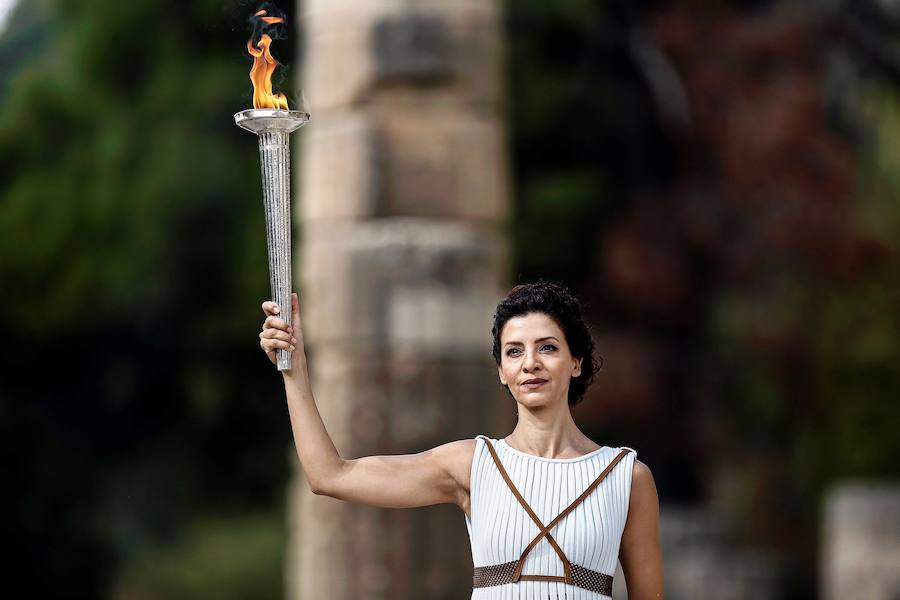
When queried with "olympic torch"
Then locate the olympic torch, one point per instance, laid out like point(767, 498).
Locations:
point(272, 121)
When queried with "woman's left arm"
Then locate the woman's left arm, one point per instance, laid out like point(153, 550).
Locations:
point(639, 553)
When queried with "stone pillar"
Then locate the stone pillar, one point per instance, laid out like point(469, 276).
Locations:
point(403, 199)
point(861, 543)
point(703, 559)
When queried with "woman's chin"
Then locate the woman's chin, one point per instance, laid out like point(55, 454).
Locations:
point(534, 399)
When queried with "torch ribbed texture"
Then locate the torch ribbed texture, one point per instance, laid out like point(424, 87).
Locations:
point(273, 126)
point(275, 158)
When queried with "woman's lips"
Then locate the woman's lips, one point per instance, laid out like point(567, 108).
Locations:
point(535, 385)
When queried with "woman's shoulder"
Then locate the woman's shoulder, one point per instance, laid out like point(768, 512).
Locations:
point(643, 486)
point(458, 449)
point(456, 458)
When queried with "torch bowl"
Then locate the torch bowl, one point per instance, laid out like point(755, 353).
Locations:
point(259, 120)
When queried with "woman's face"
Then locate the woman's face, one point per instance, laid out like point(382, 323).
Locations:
point(535, 361)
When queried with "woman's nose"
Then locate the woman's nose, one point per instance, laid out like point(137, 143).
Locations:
point(531, 362)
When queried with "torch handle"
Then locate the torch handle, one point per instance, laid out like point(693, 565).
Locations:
point(275, 158)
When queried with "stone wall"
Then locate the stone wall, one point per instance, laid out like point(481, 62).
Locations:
point(703, 559)
point(402, 205)
point(861, 542)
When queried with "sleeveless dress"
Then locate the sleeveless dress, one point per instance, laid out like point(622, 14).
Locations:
point(565, 544)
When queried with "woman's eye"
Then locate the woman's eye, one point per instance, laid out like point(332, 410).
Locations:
point(551, 346)
point(511, 351)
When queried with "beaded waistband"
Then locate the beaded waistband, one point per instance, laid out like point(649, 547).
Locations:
point(505, 573)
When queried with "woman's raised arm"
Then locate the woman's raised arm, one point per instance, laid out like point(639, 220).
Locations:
point(436, 476)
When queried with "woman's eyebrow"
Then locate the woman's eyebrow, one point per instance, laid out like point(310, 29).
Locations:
point(543, 339)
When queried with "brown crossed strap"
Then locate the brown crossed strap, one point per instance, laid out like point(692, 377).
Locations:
point(545, 529)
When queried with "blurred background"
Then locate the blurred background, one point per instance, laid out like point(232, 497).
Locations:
point(718, 181)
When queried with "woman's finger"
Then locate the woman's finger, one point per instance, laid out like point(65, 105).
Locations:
point(276, 334)
point(270, 308)
point(276, 323)
point(270, 345)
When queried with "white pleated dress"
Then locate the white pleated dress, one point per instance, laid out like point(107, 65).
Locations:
point(590, 535)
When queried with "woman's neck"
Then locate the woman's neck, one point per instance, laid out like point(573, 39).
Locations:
point(554, 437)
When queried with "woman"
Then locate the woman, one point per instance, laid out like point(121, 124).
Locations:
point(548, 511)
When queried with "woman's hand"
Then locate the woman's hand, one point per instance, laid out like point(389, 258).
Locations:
point(278, 334)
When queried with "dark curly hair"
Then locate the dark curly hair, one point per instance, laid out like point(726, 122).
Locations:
point(558, 303)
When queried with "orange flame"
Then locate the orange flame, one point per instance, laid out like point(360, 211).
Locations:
point(268, 20)
point(263, 66)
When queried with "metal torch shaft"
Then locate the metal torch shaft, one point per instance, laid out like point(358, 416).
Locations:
point(275, 158)
point(273, 126)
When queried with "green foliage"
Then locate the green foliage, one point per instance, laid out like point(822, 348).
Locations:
point(553, 115)
point(121, 144)
point(558, 218)
point(133, 263)
point(237, 558)
point(826, 406)
point(858, 343)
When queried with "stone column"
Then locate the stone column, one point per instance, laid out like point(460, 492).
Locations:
point(403, 199)
point(861, 542)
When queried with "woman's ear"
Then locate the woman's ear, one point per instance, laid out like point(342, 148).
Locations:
point(577, 371)
point(500, 373)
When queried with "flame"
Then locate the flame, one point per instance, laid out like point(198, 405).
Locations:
point(268, 20)
point(264, 65)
